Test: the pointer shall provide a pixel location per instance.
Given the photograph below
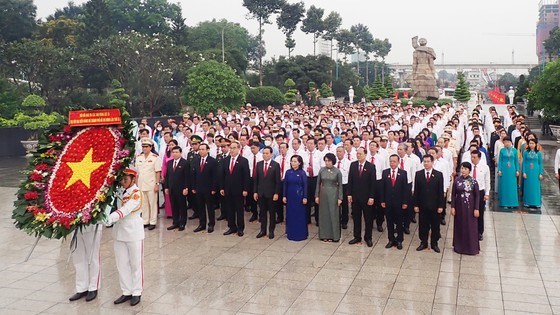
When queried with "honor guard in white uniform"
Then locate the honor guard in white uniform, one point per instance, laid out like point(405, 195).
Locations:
point(128, 235)
point(87, 262)
point(148, 165)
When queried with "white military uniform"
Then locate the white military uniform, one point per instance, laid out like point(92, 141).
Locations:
point(128, 235)
point(88, 276)
point(147, 168)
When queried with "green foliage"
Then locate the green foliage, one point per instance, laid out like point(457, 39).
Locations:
point(33, 102)
point(507, 80)
point(302, 69)
point(313, 24)
point(375, 92)
point(543, 93)
point(32, 116)
point(147, 17)
point(96, 22)
point(462, 93)
point(288, 20)
point(522, 89)
point(291, 92)
point(10, 99)
point(61, 32)
point(389, 86)
point(325, 91)
point(264, 96)
point(17, 19)
point(552, 44)
point(211, 86)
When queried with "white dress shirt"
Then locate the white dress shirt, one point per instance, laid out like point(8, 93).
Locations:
point(381, 163)
point(315, 158)
point(287, 165)
point(443, 166)
point(344, 167)
point(482, 176)
point(557, 161)
point(253, 160)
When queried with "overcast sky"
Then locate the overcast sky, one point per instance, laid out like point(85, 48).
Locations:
point(474, 31)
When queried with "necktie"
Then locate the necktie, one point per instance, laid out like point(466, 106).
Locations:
point(174, 165)
point(254, 165)
point(329, 148)
point(393, 179)
point(474, 172)
point(349, 159)
point(401, 166)
point(194, 129)
point(361, 169)
point(282, 168)
point(202, 165)
point(372, 159)
point(311, 164)
point(338, 165)
point(231, 165)
point(265, 168)
point(427, 177)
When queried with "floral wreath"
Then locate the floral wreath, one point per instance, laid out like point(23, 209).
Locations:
point(73, 177)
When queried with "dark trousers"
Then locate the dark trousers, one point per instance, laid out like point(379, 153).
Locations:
point(311, 186)
point(280, 204)
point(360, 208)
point(395, 223)
point(206, 209)
point(344, 206)
point(481, 207)
point(178, 207)
point(250, 203)
point(558, 172)
point(267, 211)
point(378, 211)
point(234, 212)
point(429, 219)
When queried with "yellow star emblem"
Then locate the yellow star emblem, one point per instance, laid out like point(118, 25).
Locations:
point(81, 171)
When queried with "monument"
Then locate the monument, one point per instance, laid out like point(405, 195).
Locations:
point(423, 70)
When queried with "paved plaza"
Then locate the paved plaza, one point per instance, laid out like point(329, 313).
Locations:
point(517, 271)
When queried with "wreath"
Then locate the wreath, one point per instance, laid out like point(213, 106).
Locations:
point(73, 177)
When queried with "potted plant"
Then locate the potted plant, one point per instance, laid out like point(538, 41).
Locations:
point(32, 117)
point(327, 96)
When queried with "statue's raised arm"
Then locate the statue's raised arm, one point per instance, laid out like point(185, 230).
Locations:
point(415, 42)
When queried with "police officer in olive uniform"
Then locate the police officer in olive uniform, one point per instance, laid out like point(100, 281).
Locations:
point(191, 156)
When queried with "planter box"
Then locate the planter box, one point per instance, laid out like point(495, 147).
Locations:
point(10, 141)
point(555, 132)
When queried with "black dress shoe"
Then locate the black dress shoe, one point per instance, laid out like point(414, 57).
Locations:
point(240, 233)
point(369, 243)
point(194, 216)
point(480, 237)
point(270, 235)
point(422, 247)
point(199, 228)
point(354, 241)
point(253, 218)
point(399, 246)
point(91, 295)
point(407, 231)
point(173, 227)
point(151, 227)
point(380, 228)
point(146, 225)
point(181, 228)
point(229, 232)
point(220, 218)
point(78, 296)
point(210, 229)
point(435, 247)
point(261, 234)
point(389, 245)
point(134, 300)
point(413, 220)
point(344, 226)
point(122, 299)
point(442, 221)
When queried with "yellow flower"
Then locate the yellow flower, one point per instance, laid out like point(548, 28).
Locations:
point(41, 217)
point(101, 197)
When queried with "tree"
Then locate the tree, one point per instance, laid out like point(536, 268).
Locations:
point(264, 96)
point(345, 40)
point(552, 44)
point(179, 29)
point(148, 17)
point(10, 99)
point(287, 21)
point(60, 32)
point(462, 93)
point(261, 10)
point(71, 11)
point(17, 19)
point(331, 24)
point(291, 91)
point(507, 80)
point(32, 117)
point(389, 86)
point(208, 35)
point(363, 40)
point(96, 22)
point(313, 24)
point(522, 89)
point(211, 86)
point(325, 91)
point(541, 96)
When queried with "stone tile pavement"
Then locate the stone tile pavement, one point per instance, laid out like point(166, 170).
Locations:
point(517, 272)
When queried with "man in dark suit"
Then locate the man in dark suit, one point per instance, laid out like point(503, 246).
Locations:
point(266, 189)
point(361, 194)
point(204, 187)
point(177, 182)
point(429, 201)
point(195, 142)
point(234, 185)
point(395, 193)
point(224, 145)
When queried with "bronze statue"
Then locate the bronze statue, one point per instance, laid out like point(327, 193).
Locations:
point(423, 70)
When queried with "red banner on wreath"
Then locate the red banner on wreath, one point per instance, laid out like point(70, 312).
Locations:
point(96, 117)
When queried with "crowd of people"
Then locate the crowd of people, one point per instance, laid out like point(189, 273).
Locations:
point(389, 165)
